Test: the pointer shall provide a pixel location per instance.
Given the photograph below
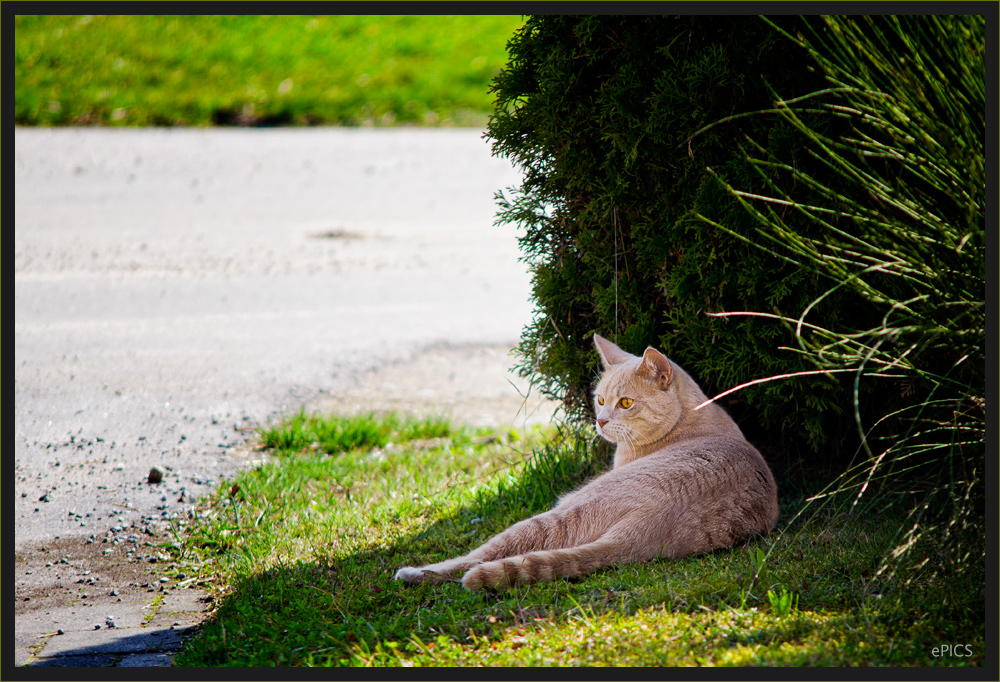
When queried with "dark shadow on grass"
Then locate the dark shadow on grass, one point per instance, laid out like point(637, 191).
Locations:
point(257, 615)
point(245, 118)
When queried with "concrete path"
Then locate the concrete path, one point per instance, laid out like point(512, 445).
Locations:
point(176, 288)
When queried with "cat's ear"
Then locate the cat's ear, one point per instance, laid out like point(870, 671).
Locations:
point(609, 352)
point(656, 366)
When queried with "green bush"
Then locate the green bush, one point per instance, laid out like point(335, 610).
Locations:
point(600, 113)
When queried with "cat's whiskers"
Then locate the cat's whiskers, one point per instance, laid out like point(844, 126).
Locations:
point(630, 437)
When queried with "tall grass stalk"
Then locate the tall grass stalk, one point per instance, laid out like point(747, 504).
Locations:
point(899, 186)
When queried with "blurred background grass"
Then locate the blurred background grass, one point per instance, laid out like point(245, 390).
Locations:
point(257, 70)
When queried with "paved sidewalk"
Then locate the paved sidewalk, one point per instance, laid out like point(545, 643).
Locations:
point(114, 601)
point(105, 610)
point(176, 288)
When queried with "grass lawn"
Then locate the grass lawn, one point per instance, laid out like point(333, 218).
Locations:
point(257, 70)
point(300, 555)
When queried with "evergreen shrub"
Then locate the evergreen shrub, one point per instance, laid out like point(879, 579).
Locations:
point(601, 113)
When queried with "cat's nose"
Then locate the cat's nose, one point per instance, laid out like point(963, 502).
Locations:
point(602, 422)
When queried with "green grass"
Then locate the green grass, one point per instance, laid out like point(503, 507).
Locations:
point(349, 433)
point(301, 555)
point(257, 70)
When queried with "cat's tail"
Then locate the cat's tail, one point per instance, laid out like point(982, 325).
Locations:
point(548, 564)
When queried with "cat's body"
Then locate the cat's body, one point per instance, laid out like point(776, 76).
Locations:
point(684, 482)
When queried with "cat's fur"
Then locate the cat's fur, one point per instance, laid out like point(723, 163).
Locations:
point(683, 482)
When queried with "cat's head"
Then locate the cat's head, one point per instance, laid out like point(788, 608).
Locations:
point(635, 400)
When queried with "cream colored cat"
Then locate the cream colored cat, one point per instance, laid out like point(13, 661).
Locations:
point(684, 481)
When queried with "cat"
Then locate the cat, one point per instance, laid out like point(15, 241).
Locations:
point(685, 481)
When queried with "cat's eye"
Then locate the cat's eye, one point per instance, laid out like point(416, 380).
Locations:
point(625, 402)
point(600, 400)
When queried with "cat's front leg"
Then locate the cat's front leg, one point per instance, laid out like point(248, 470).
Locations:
point(443, 571)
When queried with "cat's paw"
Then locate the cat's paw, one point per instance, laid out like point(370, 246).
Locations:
point(411, 575)
point(492, 574)
point(473, 579)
